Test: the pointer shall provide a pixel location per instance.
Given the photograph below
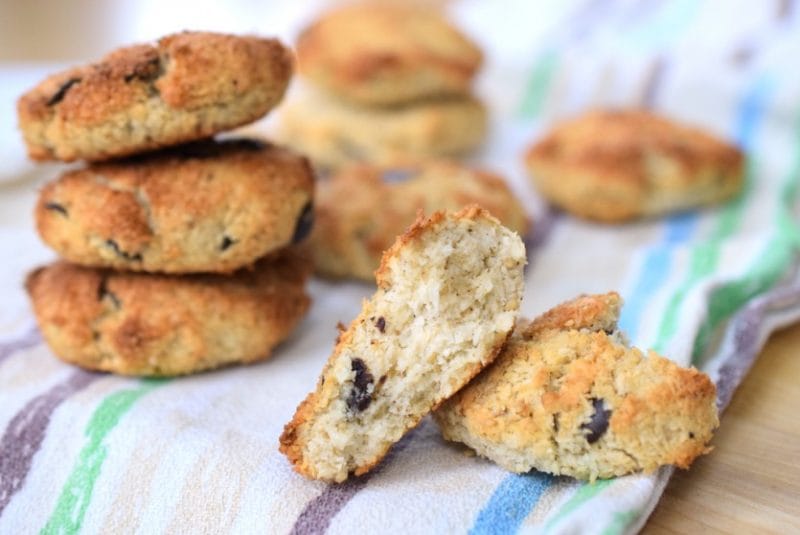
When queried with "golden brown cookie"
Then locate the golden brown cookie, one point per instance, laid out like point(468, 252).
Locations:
point(568, 396)
point(188, 86)
point(615, 166)
point(382, 54)
point(203, 207)
point(448, 294)
point(160, 325)
point(361, 209)
point(334, 133)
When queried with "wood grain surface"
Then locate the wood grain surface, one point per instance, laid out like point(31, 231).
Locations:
point(750, 483)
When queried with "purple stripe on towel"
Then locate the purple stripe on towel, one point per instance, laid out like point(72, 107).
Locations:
point(26, 341)
point(747, 327)
point(26, 431)
point(318, 513)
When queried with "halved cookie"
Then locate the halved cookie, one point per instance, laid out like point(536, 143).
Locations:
point(448, 294)
point(619, 165)
point(568, 396)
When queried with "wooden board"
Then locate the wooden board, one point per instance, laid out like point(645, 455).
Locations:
point(750, 483)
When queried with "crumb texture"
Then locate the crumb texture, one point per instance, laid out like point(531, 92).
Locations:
point(449, 291)
point(568, 397)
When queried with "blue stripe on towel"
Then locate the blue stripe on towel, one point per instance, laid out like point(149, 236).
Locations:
point(511, 502)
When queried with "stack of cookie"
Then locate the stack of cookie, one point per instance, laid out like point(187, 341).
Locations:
point(387, 84)
point(175, 245)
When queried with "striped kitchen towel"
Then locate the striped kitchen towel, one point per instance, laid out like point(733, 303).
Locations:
point(95, 453)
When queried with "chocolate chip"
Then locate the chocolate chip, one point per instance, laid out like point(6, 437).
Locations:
point(360, 397)
point(304, 223)
point(54, 206)
point(381, 324)
point(133, 257)
point(226, 242)
point(691, 435)
point(62, 91)
point(599, 422)
point(146, 72)
point(397, 175)
point(104, 293)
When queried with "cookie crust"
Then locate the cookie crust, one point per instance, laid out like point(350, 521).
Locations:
point(202, 207)
point(567, 396)
point(386, 54)
point(159, 325)
point(187, 86)
point(615, 166)
point(350, 236)
point(334, 133)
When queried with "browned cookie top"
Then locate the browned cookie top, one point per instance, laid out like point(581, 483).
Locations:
point(614, 165)
point(379, 54)
point(141, 324)
point(206, 206)
point(187, 86)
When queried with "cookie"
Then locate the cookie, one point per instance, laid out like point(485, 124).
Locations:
point(161, 325)
point(333, 132)
point(568, 396)
point(202, 207)
point(386, 54)
point(448, 294)
point(616, 166)
point(350, 234)
point(186, 87)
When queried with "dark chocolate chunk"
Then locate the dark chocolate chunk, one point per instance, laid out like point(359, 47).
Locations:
point(226, 242)
point(146, 72)
point(381, 324)
point(360, 397)
point(397, 175)
point(599, 422)
point(54, 206)
point(304, 223)
point(104, 293)
point(62, 91)
point(691, 435)
point(133, 257)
